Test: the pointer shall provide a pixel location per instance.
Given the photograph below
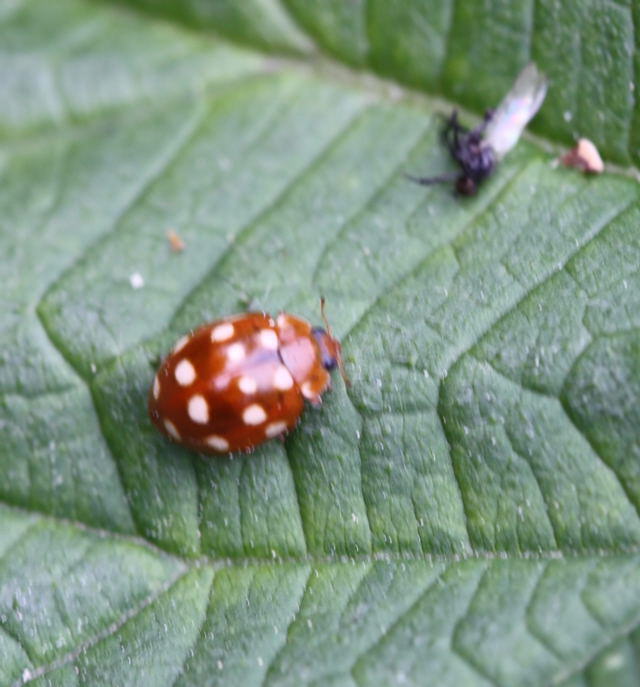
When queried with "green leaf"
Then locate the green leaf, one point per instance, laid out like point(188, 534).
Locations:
point(467, 511)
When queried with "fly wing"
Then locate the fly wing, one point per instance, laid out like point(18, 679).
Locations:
point(516, 110)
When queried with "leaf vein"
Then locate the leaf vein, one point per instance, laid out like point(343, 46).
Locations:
point(423, 259)
point(456, 646)
point(394, 624)
point(287, 633)
point(197, 635)
point(569, 553)
point(631, 496)
point(529, 623)
point(110, 630)
point(246, 230)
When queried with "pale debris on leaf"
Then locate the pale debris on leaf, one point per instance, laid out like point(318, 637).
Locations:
point(585, 157)
point(175, 241)
point(136, 280)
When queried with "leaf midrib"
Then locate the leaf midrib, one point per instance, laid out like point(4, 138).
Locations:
point(317, 559)
point(186, 567)
point(318, 63)
point(323, 64)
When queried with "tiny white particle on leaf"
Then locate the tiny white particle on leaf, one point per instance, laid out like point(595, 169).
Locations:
point(136, 280)
point(614, 661)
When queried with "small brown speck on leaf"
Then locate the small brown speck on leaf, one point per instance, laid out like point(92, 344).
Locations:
point(175, 242)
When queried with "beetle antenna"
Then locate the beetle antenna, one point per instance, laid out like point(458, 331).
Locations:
point(327, 326)
point(323, 314)
point(428, 181)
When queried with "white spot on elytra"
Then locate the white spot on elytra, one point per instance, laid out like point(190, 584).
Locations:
point(185, 372)
point(247, 385)
point(254, 414)
point(171, 429)
point(236, 352)
point(136, 280)
point(283, 320)
point(180, 343)
point(221, 382)
point(222, 332)
point(307, 390)
point(269, 339)
point(156, 387)
point(275, 428)
point(217, 442)
point(198, 409)
point(282, 378)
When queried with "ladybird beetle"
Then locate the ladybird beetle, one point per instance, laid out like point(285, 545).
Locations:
point(238, 381)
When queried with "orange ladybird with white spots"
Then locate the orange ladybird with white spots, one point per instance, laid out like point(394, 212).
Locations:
point(239, 381)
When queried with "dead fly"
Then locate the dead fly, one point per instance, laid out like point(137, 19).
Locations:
point(478, 150)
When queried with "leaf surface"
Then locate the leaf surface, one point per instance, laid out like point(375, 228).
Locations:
point(468, 509)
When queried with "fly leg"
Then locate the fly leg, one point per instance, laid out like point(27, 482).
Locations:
point(440, 179)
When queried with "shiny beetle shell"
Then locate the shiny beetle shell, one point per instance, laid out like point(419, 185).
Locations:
point(236, 382)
